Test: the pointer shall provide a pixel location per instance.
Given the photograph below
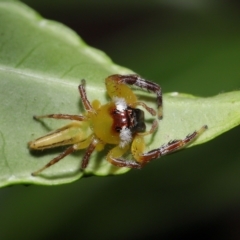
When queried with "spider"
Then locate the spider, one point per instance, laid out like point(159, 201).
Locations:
point(118, 122)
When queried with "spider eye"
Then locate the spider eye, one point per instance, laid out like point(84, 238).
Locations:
point(140, 127)
point(138, 120)
point(118, 129)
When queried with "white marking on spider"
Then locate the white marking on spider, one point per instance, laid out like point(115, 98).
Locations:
point(120, 103)
point(125, 136)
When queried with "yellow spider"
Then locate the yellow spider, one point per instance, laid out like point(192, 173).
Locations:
point(118, 122)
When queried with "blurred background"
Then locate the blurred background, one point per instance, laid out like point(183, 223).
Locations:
point(190, 46)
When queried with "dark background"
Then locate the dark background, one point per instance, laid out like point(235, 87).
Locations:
point(187, 46)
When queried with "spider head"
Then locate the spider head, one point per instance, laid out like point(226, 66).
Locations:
point(126, 117)
point(127, 121)
point(136, 119)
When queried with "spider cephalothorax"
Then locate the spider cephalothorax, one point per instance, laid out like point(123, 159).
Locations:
point(127, 121)
point(118, 122)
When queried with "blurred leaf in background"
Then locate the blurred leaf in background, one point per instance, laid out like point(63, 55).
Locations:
point(188, 46)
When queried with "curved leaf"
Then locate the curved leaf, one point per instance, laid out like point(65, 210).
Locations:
point(41, 65)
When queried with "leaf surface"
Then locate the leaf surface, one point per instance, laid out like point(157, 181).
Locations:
point(41, 65)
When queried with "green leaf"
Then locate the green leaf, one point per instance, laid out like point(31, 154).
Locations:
point(41, 65)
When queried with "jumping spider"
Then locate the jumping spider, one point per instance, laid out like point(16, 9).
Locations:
point(117, 122)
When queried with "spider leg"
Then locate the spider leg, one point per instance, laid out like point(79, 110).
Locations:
point(55, 160)
point(114, 82)
point(91, 147)
point(61, 116)
point(69, 150)
point(114, 157)
point(165, 149)
point(152, 130)
point(150, 110)
point(87, 105)
point(85, 102)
